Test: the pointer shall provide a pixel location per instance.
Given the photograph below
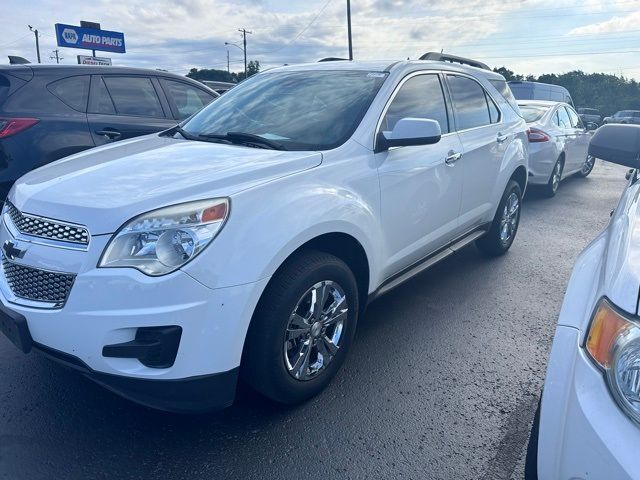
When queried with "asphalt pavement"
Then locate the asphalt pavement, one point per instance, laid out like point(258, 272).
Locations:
point(441, 383)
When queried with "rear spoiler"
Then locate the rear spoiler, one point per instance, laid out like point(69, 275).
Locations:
point(445, 57)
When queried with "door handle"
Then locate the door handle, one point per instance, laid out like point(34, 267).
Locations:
point(452, 157)
point(501, 138)
point(112, 134)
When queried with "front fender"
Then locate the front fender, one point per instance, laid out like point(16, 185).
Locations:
point(260, 236)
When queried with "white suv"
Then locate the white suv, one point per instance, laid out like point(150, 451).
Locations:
point(248, 240)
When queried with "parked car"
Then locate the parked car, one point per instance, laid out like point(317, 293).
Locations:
point(524, 90)
point(219, 87)
point(248, 240)
point(50, 111)
point(590, 115)
point(588, 425)
point(558, 143)
point(624, 116)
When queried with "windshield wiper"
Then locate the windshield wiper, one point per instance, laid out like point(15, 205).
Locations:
point(178, 129)
point(244, 138)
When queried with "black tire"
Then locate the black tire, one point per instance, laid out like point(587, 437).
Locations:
point(264, 367)
point(492, 243)
point(531, 461)
point(587, 167)
point(551, 188)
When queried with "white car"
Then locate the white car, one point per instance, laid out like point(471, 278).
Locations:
point(588, 426)
point(558, 143)
point(248, 240)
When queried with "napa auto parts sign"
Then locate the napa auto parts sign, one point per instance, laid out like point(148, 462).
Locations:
point(89, 38)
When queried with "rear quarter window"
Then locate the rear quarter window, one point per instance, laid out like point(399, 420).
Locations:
point(504, 90)
point(73, 91)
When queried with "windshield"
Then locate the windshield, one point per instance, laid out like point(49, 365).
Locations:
point(313, 110)
point(532, 114)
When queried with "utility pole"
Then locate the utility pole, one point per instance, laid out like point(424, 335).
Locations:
point(244, 43)
point(228, 68)
point(35, 32)
point(56, 55)
point(349, 29)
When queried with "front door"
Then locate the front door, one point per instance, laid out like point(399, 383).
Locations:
point(420, 190)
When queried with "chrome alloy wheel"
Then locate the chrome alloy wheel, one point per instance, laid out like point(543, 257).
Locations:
point(315, 330)
point(556, 176)
point(588, 164)
point(510, 217)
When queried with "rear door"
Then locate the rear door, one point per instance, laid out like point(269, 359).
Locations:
point(126, 106)
point(184, 99)
point(484, 139)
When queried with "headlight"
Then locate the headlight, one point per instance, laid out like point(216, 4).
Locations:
point(614, 344)
point(161, 241)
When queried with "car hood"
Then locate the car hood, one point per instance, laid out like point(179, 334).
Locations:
point(106, 186)
point(621, 268)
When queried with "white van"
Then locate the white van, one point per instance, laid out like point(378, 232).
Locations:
point(523, 90)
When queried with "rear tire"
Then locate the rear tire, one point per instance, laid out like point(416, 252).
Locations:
point(587, 166)
point(504, 227)
point(551, 188)
point(296, 345)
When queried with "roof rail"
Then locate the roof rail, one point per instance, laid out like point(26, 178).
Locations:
point(445, 57)
point(331, 59)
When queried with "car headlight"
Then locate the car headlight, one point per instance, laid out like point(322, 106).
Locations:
point(161, 241)
point(614, 345)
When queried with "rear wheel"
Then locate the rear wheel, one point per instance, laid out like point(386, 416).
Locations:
point(302, 328)
point(551, 188)
point(587, 166)
point(505, 223)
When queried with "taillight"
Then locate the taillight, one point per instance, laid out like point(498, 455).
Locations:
point(536, 135)
point(11, 126)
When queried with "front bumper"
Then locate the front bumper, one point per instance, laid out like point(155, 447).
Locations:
point(107, 306)
point(583, 432)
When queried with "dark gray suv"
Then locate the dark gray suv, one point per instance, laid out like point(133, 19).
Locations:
point(50, 111)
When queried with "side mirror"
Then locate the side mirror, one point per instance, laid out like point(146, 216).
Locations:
point(591, 126)
point(617, 143)
point(409, 132)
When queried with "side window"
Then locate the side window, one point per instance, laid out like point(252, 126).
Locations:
point(469, 102)
point(186, 98)
point(494, 113)
point(573, 117)
point(134, 96)
point(73, 91)
point(563, 118)
point(419, 97)
point(100, 101)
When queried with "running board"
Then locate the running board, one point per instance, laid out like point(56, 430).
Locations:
point(426, 263)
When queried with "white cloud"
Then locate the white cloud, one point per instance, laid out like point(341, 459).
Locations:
point(613, 25)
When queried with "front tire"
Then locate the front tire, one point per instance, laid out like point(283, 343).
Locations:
point(504, 227)
point(587, 166)
point(302, 328)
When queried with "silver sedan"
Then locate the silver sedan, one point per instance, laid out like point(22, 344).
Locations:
point(558, 143)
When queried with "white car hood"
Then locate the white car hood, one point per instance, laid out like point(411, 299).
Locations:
point(106, 186)
point(620, 279)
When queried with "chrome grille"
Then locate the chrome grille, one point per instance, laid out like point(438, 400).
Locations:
point(47, 228)
point(37, 285)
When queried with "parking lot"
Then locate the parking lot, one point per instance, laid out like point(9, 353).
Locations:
point(442, 381)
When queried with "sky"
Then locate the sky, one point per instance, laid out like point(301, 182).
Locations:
point(526, 36)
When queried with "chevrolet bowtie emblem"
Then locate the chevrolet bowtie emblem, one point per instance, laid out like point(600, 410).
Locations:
point(11, 251)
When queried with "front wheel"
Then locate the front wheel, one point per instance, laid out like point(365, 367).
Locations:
point(505, 223)
point(302, 328)
point(587, 166)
